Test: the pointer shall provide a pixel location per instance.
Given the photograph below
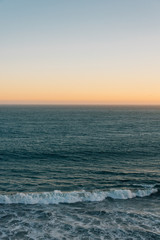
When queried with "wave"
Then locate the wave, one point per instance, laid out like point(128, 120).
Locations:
point(57, 196)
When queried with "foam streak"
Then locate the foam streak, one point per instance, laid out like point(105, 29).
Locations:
point(57, 196)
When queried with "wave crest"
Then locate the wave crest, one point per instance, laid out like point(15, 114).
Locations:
point(57, 196)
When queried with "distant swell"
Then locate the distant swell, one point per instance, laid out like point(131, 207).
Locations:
point(56, 196)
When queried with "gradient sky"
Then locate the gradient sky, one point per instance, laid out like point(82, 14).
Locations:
point(86, 51)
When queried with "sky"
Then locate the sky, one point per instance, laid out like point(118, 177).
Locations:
point(80, 52)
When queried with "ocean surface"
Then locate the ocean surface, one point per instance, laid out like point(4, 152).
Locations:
point(79, 172)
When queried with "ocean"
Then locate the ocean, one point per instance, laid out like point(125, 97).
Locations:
point(79, 172)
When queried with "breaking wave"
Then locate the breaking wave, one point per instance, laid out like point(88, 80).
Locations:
point(57, 196)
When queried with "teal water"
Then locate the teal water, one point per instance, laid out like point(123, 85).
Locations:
point(79, 172)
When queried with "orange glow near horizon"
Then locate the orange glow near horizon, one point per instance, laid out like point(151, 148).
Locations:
point(108, 88)
point(96, 91)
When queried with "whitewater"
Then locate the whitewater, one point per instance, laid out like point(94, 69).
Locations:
point(72, 197)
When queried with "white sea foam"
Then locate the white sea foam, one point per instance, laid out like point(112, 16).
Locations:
point(56, 196)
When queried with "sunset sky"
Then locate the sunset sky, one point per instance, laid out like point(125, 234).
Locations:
point(80, 52)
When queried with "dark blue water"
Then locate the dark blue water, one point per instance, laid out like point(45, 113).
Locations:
point(79, 172)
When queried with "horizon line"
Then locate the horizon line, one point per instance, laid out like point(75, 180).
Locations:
point(79, 104)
